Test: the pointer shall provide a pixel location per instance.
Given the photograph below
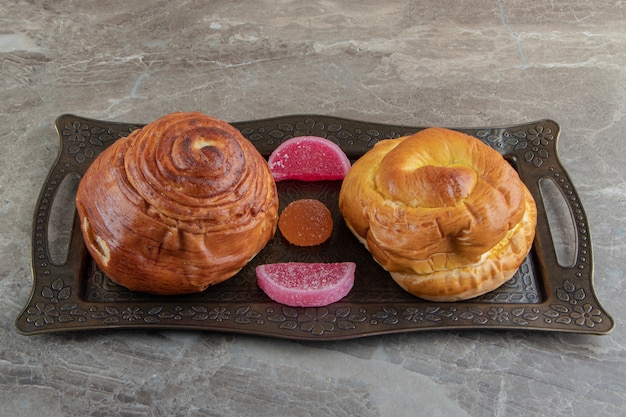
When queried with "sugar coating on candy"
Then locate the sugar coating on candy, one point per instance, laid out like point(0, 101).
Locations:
point(301, 284)
point(308, 158)
point(306, 222)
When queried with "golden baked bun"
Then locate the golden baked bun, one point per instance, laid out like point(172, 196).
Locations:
point(177, 206)
point(444, 213)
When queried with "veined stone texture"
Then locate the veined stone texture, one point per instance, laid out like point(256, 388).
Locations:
point(420, 63)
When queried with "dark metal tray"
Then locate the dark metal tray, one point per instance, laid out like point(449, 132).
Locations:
point(552, 291)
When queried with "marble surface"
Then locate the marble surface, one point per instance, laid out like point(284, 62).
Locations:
point(444, 62)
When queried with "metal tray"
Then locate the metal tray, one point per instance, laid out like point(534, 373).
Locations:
point(550, 292)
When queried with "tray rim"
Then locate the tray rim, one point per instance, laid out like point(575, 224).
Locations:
point(567, 301)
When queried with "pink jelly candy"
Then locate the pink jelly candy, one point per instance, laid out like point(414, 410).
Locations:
point(300, 284)
point(308, 158)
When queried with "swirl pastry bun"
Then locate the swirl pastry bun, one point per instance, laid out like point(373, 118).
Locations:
point(177, 206)
point(444, 213)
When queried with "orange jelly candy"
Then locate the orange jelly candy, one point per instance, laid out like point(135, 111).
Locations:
point(306, 222)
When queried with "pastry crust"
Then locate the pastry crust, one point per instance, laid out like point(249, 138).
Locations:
point(444, 213)
point(177, 206)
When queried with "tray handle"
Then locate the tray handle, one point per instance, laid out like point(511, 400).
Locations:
point(560, 221)
point(562, 238)
point(55, 234)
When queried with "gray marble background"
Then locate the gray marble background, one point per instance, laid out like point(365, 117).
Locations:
point(433, 62)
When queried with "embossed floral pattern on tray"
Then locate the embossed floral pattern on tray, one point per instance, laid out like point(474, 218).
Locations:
point(553, 297)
